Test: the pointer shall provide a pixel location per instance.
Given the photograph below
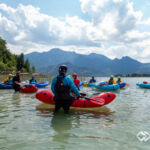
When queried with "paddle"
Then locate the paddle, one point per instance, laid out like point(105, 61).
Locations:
point(127, 84)
point(99, 100)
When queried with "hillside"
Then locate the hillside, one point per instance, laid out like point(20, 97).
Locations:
point(10, 62)
point(92, 64)
point(7, 60)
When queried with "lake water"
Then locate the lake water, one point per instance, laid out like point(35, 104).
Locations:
point(27, 124)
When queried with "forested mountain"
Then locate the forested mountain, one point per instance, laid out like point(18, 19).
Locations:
point(92, 64)
point(11, 62)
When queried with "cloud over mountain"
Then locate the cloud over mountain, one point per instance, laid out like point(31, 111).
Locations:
point(113, 28)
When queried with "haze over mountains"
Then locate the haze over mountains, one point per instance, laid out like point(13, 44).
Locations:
point(85, 65)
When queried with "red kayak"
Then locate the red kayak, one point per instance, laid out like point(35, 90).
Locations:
point(28, 88)
point(96, 101)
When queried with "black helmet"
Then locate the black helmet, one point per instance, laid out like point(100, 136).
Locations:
point(63, 69)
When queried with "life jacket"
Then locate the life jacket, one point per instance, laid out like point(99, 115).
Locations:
point(119, 81)
point(76, 82)
point(61, 90)
point(92, 81)
point(112, 82)
point(6, 79)
point(10, 81)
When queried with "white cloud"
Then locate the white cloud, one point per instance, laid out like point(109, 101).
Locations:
point(115, 17)
point(144, 22)
point(33, 26)
point(112, 30)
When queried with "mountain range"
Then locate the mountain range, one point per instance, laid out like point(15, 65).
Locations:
point(85, 65)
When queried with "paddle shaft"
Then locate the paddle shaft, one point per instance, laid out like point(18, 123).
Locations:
point(83, 96)
point(89, 98)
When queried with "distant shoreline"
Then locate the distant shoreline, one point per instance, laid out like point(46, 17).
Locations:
point(42, 74)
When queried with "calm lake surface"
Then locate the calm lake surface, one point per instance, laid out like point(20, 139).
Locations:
point(27, 124)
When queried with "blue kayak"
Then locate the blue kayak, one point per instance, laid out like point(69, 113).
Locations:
point(40, 85)
point(103, 82)
point(84, 83)
point(108, 87)
point(122, 84)
point(143, 85)
point(92, 84)
point(5, 86)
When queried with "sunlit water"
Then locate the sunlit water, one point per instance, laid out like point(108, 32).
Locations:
point(27, 124)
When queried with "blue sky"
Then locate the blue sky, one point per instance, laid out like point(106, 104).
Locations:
point(55, 8)
point(114, 28)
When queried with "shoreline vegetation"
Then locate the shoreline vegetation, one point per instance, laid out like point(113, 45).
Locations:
point(10, 62)
point(133, 75)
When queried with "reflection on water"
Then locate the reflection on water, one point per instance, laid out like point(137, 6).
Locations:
point(26, 123)
point(87, 112)
point(61, 124)
point(16, 99)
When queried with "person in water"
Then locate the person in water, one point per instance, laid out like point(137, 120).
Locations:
point(111, 80)
point(16, 81)
point(61, 87)
point(119, 80)
point(32, 79)
point(92, 80)
point(9, 79)
point(76, 80)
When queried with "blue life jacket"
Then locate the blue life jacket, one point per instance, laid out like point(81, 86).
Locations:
point(10, 81)
point(110, 82)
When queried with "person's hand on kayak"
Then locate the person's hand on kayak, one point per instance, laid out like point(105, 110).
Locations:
point(82, 94)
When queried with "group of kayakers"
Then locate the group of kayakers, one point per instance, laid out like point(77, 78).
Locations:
point(13, 80)
point(65, 88)
point(113, 81)
point(16, 80)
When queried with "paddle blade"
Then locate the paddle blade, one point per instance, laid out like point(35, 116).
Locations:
point(127, 84)
point(103, 98)
point(98, 101)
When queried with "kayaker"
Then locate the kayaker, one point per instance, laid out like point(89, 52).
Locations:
point(61, 87)
point(32, 79)
point(92, 80)
point(9, 79)
point(76, 80)
point(119, 80)
point(16, 81)
point(111, 80)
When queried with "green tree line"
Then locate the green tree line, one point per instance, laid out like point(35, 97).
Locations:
point(11, 62)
